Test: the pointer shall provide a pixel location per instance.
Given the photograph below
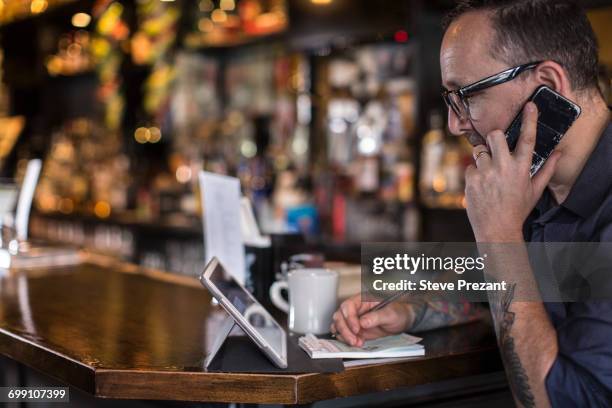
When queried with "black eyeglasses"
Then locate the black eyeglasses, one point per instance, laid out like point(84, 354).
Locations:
point(457, 99)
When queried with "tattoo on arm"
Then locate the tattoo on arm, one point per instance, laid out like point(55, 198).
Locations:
point(504, 319)
point(434, 314)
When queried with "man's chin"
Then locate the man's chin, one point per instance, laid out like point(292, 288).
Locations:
point(475, 139)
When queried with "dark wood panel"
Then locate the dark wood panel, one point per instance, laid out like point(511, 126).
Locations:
point(117, 331)
point(58, 366)
point(210, 387)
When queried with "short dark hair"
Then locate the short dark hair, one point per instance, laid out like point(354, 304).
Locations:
point(534, 30)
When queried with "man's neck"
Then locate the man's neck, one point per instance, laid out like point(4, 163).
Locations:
point(577, 145)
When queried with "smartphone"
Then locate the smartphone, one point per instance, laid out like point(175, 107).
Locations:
point(555, 116)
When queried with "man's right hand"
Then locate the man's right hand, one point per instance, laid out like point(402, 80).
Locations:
point(354, 330)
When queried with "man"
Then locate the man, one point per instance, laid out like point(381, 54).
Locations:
point(555, 354)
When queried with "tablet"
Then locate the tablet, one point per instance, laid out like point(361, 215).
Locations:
point(247, 312)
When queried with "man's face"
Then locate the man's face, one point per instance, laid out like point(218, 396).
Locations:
point(465, 58)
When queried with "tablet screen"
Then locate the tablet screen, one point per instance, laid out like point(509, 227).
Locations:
point(250, 309)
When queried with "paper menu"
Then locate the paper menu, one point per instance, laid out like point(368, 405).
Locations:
point(221, 219)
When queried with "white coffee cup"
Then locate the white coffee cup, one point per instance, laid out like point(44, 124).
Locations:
point(313, 293)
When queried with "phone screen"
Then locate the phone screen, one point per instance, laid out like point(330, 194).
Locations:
point(555, 116)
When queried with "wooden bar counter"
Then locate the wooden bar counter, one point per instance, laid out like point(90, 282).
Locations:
point(116, 331)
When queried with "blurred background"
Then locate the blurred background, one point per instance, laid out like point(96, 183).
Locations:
point(329, 112)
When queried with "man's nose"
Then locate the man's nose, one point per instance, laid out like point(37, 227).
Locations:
point(456, 125)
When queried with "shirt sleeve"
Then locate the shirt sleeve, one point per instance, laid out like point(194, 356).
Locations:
point(582, 373)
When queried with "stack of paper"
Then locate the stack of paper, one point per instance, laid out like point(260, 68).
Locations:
point(401, 345)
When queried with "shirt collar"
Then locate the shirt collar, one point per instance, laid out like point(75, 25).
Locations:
point(595, 180)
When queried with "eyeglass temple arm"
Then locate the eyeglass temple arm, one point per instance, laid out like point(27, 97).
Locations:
point(497, 79)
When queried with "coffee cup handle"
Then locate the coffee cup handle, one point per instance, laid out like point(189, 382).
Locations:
point(277, 298)
point(256, 309)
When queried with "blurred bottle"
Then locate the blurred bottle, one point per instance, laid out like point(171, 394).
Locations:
point(450, 176)
point(432, 181)
point(404, 176)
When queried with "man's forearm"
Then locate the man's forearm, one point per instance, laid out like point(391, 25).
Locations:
point(526, 337)
point(434, 314)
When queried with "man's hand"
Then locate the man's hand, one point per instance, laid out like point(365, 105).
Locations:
point(499, 191)
point(354, 330)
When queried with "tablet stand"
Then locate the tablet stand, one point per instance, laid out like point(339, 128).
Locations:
point(225, 329)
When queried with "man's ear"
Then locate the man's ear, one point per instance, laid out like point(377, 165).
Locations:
point(554, 76)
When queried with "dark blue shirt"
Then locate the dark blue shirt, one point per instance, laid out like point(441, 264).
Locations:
point(581, 376)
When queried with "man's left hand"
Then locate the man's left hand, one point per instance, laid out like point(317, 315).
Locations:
point(499, 191)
